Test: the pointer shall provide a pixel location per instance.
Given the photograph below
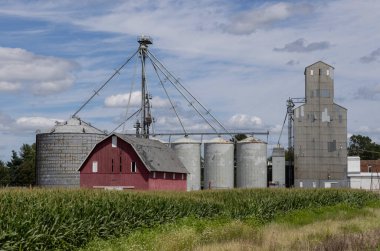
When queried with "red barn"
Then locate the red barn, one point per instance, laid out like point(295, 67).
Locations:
point(127, 162)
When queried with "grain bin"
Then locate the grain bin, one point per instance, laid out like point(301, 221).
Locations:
point(189, 152)
point(60, 152)
point(278, 166)
point(251, 161)
point(219, 164)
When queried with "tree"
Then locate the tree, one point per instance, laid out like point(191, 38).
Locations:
point(363, 147)
point(5, 178)
point(289, 155)
point(22, 166)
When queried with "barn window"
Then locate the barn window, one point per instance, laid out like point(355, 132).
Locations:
point(154, 175)
point(133, 166)
point(183, 176)
point(112, 166)
point(114, 141)
point(164, 175)
point(173, 176)
point(94, 166)
point(120, 164)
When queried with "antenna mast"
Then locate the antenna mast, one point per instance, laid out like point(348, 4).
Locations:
point(146, 117)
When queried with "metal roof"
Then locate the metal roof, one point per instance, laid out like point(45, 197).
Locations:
point(251, 140)
point(186, 140)
point(155, 155)
point(319, 62)
point(75, 125)
point(218, 140)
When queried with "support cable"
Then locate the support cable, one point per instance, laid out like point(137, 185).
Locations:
point(125, 121)
point(167, 95)
point(130, 93)
point(282, 129)
point(109, 79)
point(183, 95)
point(183, 87)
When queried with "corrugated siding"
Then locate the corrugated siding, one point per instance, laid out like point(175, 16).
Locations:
point(59, 156)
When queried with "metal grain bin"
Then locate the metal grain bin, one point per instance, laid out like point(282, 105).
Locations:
point(278, 166)
point(189, 152)
point(60, 152)
point(219, 164)
point(251, 158)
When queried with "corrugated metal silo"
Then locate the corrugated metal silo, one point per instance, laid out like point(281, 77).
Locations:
point(219, 164)
point(278, 166)
point(60, 152)
point(189, 152)
point(251, 169)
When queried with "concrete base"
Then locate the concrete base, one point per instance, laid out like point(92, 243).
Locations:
point(320, 183)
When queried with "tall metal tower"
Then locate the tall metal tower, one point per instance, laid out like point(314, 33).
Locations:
point(146, 117)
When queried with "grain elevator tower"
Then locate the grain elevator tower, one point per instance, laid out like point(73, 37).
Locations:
point(320, 133)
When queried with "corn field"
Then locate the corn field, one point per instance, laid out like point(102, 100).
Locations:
point(41, 219)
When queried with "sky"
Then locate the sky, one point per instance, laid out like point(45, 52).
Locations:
point(241, 59)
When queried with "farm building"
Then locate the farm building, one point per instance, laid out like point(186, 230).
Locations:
point(127, 162)
point(363, 174)
point(320, 133)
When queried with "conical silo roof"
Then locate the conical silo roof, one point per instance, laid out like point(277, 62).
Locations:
point(186, 140)
point(75, 125)
point(218, 140)
point(251, 140)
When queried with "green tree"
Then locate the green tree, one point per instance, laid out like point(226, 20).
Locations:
point(22, 166)
point(363, 147)
point(5, 178)
point(289, 154)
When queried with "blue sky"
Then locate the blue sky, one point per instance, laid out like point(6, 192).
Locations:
point(241, 59)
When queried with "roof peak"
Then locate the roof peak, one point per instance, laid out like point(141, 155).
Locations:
point(318, 63)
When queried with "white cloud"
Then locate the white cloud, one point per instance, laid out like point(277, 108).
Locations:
point(36, 122)
point(9, 86)
point(121, 100)
point(248, 21)
point(24, 70)
point(245, 121)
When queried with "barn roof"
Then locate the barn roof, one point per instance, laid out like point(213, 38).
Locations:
point(155, 155)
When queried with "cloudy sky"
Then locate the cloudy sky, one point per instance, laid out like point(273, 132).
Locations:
point(241, 59)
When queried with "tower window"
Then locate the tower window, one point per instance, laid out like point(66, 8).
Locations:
point(328, 72)
point(311, 72)
point(331, 146)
